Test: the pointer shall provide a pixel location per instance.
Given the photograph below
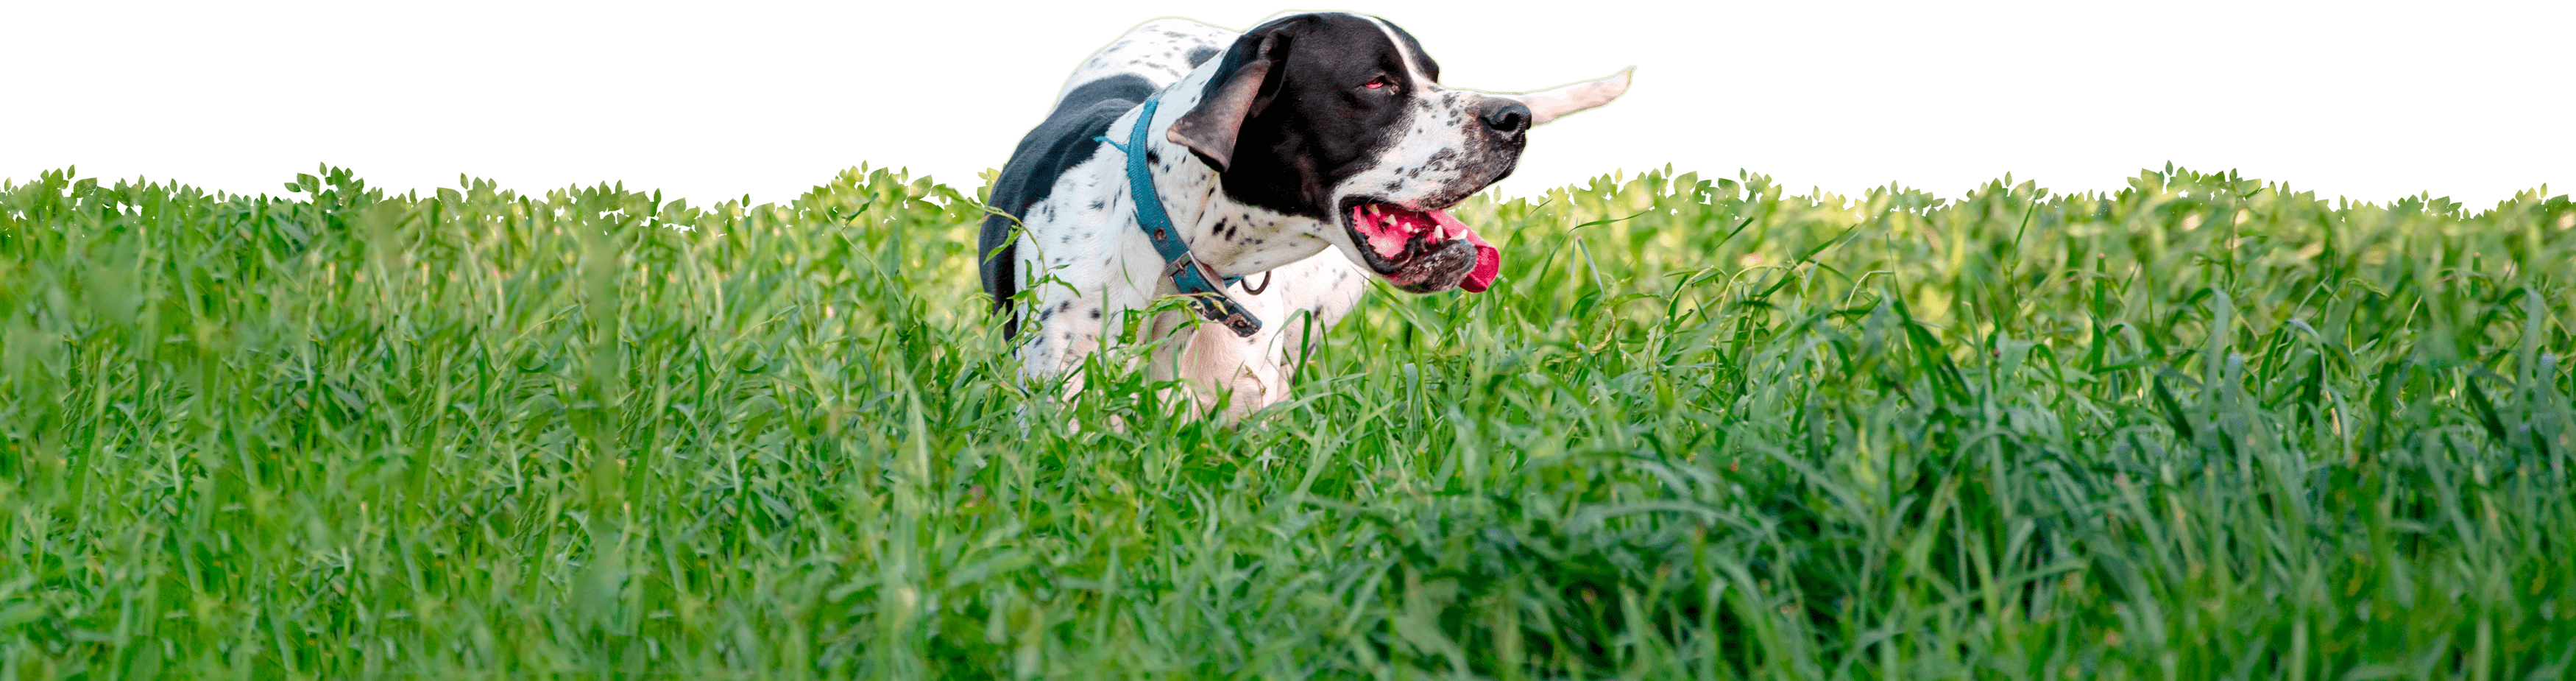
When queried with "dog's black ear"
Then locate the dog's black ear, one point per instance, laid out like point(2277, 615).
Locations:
point(1243, 85)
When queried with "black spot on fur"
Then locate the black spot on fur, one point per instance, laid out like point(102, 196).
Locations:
point(1444, 158)
point(1095, 313)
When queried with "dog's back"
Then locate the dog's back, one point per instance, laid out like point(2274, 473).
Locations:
point(1109, 84)
point(1064, 140)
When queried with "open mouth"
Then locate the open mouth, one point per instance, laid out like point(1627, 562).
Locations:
point(1423, 250)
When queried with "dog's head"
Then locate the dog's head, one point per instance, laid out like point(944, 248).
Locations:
point(1341, 118)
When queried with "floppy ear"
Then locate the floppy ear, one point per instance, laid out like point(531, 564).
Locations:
point(1549, 105)
point(1240, 89)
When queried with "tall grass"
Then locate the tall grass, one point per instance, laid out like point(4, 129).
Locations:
point(2201, 428)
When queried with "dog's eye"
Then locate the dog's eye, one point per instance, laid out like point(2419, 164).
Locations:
point(1378, 82)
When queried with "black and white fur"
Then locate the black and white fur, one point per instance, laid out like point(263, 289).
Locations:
point(1268, 140)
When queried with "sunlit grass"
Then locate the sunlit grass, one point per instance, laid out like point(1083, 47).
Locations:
point(2201, 428)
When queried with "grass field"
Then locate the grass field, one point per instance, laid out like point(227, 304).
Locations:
point(2202, 428)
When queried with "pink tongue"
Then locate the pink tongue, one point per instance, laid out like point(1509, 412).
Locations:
point(1388, 238)
point(1489, 260)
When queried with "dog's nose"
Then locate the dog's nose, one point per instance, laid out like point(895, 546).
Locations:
point(1508, 117)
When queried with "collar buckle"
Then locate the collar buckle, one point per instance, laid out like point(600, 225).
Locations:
point(1186, 273)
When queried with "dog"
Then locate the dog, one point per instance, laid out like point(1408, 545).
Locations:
point(1275, 172)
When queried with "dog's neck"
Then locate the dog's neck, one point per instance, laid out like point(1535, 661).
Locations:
point(1230, 238)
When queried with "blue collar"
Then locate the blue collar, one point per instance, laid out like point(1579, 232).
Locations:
point(1185, 272)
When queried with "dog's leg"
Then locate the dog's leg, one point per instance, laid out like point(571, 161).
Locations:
point(1222, 369)
point(1063, 329)
point(1298, 301)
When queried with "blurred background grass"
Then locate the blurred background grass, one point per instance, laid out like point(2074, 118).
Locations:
point(2369, 100)
point(2203, 428)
